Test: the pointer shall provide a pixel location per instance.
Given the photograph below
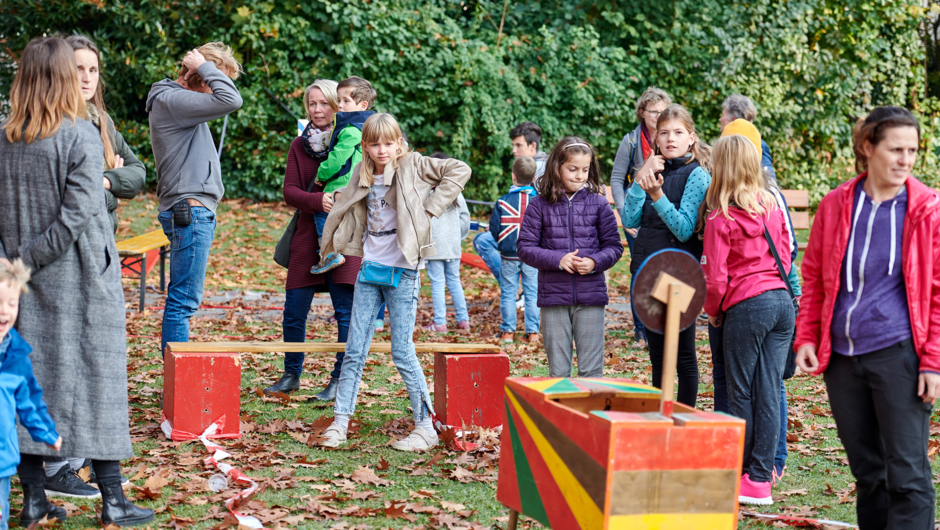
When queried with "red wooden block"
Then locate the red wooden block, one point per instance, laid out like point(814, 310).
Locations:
point(198, 388)
point(468, 388)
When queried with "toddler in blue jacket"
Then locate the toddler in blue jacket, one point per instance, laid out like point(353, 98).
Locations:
point(19, 392)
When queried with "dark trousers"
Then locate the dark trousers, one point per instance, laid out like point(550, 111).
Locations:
point(756, 338)
point(637, 325)
point(294, 326)
point(716, 343)
point(686, 363)
point(30, 470)
point(884, 427)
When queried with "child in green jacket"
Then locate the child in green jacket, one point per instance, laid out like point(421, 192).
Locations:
point(355, 96)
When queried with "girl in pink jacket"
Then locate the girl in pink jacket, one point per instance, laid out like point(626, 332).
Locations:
point(747, 294)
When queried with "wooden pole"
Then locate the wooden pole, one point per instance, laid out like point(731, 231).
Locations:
point(513, 519)
point(671, 347)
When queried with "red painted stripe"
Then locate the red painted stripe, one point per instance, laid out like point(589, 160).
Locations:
point(676, 448)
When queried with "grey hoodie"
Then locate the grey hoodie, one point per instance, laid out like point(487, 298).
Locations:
point(186, 157)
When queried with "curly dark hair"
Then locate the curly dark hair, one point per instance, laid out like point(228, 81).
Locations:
point(550, 185)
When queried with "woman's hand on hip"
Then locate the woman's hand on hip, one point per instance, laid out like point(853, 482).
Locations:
point(928, 386)
point(806, 358)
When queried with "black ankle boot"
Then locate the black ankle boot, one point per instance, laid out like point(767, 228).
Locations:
point(36, 506)
point(285, 385)
point(329, 393)
point(117, 509)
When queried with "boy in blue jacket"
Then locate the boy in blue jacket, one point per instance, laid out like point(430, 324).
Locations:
point(20, 394)
point(505, 223)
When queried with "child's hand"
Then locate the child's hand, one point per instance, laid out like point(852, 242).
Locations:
point(327, 202)
point(58, 444)
point(567, 262)
point(584, 265)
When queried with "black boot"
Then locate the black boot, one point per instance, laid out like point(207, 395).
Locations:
point(329, 393)
point(93, 478)
point(36, 506)
point(285, 385)
point(117, 509)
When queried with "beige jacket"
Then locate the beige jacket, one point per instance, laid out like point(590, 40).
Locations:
point(409, 195)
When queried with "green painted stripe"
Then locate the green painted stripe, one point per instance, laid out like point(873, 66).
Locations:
point(601, 414)
point(528, 492)
point(564, 386)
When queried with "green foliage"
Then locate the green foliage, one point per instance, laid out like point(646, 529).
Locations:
point(458, 84)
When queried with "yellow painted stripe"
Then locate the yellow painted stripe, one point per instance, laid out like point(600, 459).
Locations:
point(673, 521)
point(587, 513)
point(543, 384)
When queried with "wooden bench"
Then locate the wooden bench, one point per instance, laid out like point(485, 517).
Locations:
point(202, 381)
point(134, 256)
point(798, 202)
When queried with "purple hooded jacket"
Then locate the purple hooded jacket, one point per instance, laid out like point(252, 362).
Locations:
point(549, 231)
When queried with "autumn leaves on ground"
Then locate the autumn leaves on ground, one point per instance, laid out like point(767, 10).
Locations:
point(367, 484)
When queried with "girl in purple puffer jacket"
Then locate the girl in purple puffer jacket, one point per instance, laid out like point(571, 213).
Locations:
point(569, 234)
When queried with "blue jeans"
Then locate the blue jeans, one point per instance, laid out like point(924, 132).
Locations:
point(319, 219)
point(510, 270)
point(716, 342)
point(485, 245)
point(637, 325)
point(189, 255)
point(4, 502)
point(402, 303)
point(296, 307)
point(441, 273)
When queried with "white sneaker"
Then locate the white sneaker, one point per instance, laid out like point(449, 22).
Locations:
point(418, 440)
point(520, 303)
point(334, 436)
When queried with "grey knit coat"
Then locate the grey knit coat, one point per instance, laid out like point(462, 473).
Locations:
point(53, 216)
point(450, 229)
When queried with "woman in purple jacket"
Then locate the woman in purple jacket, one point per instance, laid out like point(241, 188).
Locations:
point(569, 234)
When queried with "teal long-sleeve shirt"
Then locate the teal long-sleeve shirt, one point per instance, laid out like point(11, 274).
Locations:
point(681, 221)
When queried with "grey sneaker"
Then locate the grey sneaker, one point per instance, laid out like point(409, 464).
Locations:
point(335, 436)
point(418, 440)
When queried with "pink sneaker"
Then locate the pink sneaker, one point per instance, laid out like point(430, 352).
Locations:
point(754, 492)
point(463, 325)
point(436, 328)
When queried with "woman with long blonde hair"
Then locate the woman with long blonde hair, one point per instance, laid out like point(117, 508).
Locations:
point(52, 217)
point(748, 296)
point(384, 216)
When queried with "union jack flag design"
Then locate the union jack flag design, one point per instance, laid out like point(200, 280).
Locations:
point(511, 219)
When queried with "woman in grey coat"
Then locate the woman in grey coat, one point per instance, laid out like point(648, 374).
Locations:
point(53, 216)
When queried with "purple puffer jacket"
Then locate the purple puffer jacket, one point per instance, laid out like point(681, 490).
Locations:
point(549, 231)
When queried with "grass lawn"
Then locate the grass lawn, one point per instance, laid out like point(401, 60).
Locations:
point(370, 485)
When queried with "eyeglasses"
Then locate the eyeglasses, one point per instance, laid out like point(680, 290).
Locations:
point(653, 113)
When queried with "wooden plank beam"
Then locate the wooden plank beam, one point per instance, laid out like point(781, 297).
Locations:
point(314, 347)
point(796, 198)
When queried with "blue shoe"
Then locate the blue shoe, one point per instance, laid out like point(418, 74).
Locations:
point(332, 260)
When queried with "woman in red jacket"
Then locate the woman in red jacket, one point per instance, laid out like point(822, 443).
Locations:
point(870, 320)
point(747, 295)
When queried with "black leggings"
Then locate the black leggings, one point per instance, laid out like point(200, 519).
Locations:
point(686, 363)
point(30, 470)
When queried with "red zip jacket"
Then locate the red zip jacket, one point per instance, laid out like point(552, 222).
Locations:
point(737, 261)
point(920, 256)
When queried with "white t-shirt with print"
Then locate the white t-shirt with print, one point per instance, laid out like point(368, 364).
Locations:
point(381, 234)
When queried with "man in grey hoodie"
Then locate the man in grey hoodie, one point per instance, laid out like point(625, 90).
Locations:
point(189, 177)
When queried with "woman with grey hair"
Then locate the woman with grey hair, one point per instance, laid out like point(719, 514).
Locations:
point(740, 107)
point(634, 149)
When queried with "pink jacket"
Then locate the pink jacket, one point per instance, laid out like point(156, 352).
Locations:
point(737, 261)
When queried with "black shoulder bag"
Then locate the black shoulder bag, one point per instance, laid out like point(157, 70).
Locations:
point(282, 250)
point(790, 367)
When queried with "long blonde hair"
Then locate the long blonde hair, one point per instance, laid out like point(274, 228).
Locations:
point(45, 90)
point(700, 150)
point(737, 179)
point(81, 42)
point(380, 127)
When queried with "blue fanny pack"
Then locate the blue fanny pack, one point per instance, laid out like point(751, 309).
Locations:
point(376, 274)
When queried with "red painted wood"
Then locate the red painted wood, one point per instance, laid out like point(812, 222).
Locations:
point(468, 388)
point(198, 388)
point(473, 260)
point(674, 448)
point(507, 491)
point(133, 271)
